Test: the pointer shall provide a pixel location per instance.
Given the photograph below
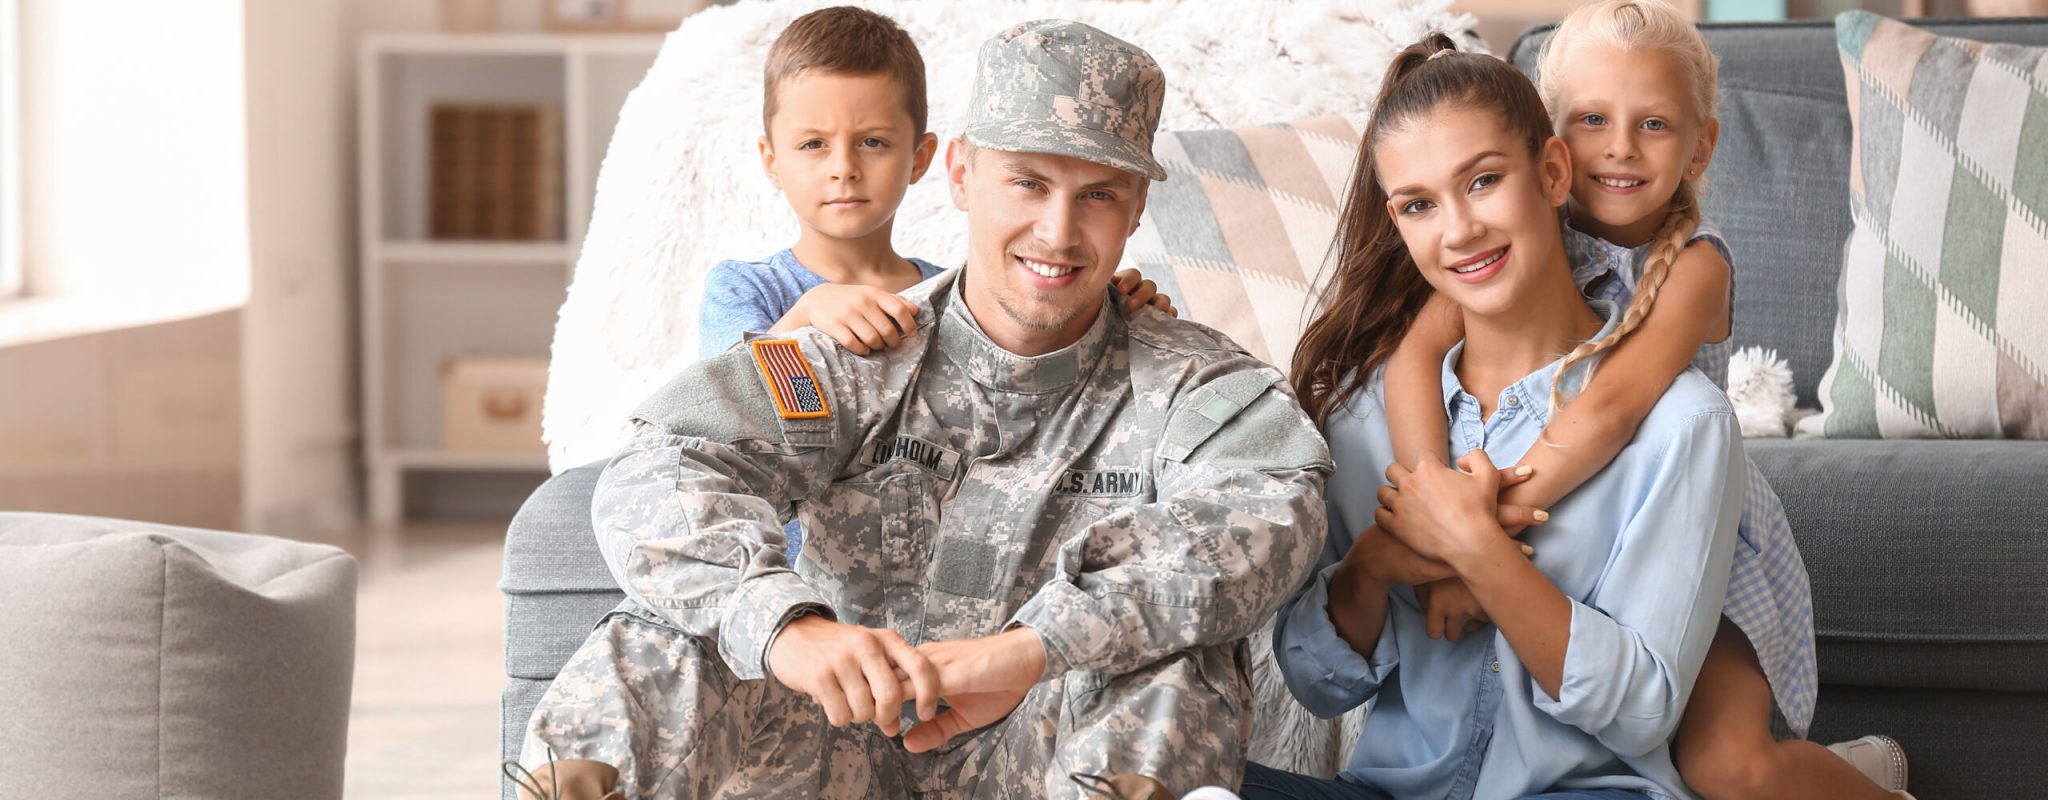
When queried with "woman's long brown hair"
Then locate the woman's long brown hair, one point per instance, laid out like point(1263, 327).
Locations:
point(1376, 291)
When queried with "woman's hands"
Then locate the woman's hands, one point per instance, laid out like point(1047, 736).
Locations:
point(1447, 514)
point(1455, 516)
point(1429, 507)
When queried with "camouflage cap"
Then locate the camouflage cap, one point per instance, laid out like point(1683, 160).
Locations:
point(1060, 87)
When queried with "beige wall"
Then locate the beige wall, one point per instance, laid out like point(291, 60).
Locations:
point(134, 229)
point(193, 147)
point(297, 351)
point(142, 423)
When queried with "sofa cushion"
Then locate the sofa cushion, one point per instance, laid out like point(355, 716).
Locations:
point(1960, 743)
point(1937, 333)
point(1779, 183)
point(1927, 542)
point(1240, 228)
point(556, 584)
point(1977, 666)
point(549, 546)
point(145, 660)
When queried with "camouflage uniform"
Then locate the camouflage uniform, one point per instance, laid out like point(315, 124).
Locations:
point(1142, 499)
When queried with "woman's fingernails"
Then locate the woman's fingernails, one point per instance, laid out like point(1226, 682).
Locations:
point(1524, 470)
point(1528, 551)
point(1541, 515)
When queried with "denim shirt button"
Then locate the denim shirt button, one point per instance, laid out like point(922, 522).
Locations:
point(1496, 665)
point(1514, 400)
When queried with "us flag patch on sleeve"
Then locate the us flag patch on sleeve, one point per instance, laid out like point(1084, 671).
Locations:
point(791, 382)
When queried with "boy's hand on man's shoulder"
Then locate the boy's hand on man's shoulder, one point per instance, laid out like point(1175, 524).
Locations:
point(863, 319)
point(1139, 292)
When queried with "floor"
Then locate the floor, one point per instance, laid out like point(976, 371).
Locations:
point(429, 640)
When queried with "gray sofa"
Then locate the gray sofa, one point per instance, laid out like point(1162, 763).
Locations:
point(1929, 559)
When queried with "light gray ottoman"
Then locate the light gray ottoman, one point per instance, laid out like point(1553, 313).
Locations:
point(141, 660)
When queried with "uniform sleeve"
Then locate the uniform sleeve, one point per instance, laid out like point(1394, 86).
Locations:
point(689, 517)
point(1235, 525)
point(734, 305)
point(1638, 641)
point(1319, 666)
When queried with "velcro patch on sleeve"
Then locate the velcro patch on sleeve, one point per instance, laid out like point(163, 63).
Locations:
point(795, 388)
point(1209, 407)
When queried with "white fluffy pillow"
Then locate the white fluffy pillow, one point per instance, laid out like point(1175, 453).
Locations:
point(681, 186)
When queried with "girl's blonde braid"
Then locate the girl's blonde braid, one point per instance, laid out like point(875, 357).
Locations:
point(1671, 239)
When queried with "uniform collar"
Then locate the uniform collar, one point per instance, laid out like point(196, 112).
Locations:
point(990, 365)
point(1533, 391)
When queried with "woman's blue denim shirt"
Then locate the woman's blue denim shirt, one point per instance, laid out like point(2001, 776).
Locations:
point(1642, 550)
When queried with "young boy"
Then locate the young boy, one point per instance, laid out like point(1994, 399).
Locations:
point(844, 119)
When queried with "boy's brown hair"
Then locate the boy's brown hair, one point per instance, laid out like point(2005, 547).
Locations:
point(846, 41)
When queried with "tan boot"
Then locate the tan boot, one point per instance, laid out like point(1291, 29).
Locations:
point(572, 779)
point(1879, 758)
point(1122, 787)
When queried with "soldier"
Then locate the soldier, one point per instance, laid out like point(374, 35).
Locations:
point(1057, 518)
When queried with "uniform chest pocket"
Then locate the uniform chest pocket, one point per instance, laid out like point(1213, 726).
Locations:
point(1080, 498)
point(872, 539)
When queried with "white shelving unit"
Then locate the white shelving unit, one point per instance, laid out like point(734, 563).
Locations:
point(425, 301)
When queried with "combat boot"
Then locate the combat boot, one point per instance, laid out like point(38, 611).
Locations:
point(565, 780)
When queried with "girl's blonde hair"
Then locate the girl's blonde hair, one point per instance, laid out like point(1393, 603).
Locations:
point(1638, 25)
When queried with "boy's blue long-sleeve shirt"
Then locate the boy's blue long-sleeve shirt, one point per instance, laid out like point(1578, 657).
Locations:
point(1642, 550)
point(742, 297)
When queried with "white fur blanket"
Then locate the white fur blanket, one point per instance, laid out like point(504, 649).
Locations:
point(681, 188)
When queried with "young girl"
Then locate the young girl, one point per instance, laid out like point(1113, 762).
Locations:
point(1601, 634)
point(1630, 87)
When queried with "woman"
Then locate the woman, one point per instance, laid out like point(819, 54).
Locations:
point(1599, 636)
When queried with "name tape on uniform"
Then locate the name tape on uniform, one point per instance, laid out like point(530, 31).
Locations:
point(791, 382)
point(940, 461)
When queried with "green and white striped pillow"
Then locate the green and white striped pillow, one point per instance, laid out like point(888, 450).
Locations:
point(1942, 329)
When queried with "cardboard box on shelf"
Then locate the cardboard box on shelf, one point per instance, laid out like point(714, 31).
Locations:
point(492, 403)
point(495, 172)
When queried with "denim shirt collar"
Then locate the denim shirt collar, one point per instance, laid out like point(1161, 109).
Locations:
point(1532, 392)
